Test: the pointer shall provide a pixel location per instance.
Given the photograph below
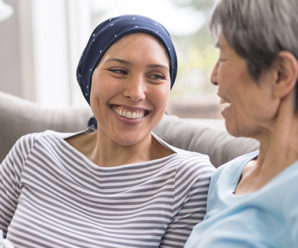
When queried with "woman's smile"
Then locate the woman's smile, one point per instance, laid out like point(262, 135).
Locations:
point(225, 104)
point(129, 112)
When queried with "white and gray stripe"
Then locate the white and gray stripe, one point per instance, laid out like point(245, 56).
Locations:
point(53, 196)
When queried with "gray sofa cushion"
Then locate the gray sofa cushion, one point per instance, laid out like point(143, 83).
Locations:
point(195, 135)
point(19, 117)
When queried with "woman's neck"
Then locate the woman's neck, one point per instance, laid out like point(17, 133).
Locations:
point(103, 151)
point(108, 153)
point(278, 150)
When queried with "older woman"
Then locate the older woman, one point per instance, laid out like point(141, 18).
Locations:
point(252, 200)
point(115, 184)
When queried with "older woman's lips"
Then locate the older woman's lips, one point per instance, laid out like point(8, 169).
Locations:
point(225, 104)
point(222, 100)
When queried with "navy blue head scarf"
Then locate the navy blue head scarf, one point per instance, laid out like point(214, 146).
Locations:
point(112, 30)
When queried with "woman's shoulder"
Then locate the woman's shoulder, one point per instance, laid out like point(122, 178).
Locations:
point(47, 133)
point(232, 169)
point(193, 167)
point(181, 153)
point(237, 162)
point(188, 161)
point(24, 146)
point(28, 141)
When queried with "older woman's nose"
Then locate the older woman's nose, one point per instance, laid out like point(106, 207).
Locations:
point(135, 89)
point(213, 77)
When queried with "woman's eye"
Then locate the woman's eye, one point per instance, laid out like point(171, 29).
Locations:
point(118, 71)
point(157, 76)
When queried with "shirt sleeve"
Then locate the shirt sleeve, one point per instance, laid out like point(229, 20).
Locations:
point(11, 169)
point(190, 202)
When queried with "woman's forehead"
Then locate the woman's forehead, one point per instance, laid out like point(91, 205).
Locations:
point(135, 39)
point(136, 43)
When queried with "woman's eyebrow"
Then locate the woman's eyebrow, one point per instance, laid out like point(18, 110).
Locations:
point(122, 61)
point(126, 62)
point(158, 66)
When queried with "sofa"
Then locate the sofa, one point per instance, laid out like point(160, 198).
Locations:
point(19, 117)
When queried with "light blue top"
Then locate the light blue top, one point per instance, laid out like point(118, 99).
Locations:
point(266, 218)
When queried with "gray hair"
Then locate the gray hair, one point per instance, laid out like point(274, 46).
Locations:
point(258, 30)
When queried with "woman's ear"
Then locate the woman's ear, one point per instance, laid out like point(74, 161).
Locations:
point(286, 66)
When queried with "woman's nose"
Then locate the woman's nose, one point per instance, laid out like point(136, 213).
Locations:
point(135, 89)
point(213, 77)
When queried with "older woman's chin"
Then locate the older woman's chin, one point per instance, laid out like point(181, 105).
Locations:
point(233, 129)
point(229, 128)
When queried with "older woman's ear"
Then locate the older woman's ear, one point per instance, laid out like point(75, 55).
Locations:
point(286, 66)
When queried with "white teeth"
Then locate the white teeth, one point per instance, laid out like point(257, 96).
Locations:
point(129, 115)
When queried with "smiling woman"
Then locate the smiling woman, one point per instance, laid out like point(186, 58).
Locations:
point(115, 184)
point(41, 36)
point(192, 95)
point(231, 74)
point(133, 85)
point(252, 199)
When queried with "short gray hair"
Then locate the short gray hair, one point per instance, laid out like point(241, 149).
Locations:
point(258, 30)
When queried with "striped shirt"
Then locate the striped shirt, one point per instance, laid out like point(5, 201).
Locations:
point(51, 195)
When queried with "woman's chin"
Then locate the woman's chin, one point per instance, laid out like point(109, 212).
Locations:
point(231, 128)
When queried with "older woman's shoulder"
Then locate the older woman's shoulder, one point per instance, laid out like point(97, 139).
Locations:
point(233, 168)
point(238, 161)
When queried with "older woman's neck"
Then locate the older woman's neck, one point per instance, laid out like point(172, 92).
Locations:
point(280, 149)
